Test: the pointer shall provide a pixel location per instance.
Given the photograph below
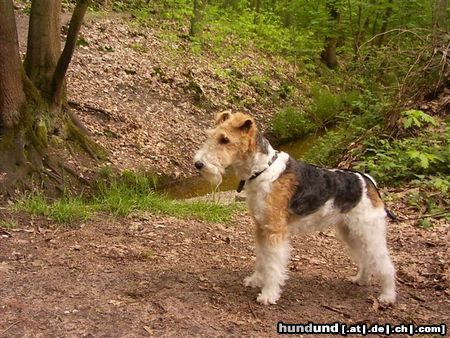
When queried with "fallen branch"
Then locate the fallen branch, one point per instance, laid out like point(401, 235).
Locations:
point(435, 215)
point(336, 310)
point(251, 310)
point(9, 327)
point(85, 106)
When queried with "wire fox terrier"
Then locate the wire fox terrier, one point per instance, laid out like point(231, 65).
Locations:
point(285, 195)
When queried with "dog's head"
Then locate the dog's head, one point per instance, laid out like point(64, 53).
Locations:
point(231, 140)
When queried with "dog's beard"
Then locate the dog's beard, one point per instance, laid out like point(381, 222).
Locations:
point(212, 174)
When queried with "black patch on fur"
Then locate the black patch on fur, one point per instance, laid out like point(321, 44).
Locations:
point(262, 143)
point(317, 185)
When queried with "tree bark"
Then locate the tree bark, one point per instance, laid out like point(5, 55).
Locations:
point(387, 14)
point(12, 96)
point(329, 53)
point(44, 44)
point(195, 24)
point(67, 53)
point(439, 18)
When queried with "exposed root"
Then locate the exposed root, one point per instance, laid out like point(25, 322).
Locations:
point(74, 174)
point(95, 151)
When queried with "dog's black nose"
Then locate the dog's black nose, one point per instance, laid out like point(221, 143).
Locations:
point(199, 165)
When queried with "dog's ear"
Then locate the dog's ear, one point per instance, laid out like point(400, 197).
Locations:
point(222, 117)
point(246, 125)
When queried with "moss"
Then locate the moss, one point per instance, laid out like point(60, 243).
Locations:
point(41, 133)
point(87, 144)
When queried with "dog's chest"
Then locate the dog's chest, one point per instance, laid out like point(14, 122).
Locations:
point(256, 200)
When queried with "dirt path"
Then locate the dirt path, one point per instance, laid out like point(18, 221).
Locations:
point(150, 275)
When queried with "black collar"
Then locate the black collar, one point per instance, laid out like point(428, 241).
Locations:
point(255, 175)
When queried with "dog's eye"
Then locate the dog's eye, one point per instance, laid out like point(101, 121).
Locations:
point(224, 140)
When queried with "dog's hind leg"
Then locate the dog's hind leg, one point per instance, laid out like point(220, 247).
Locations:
point(356, 253)
point(370, 234)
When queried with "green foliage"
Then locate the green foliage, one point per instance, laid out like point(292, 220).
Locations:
point(289, 124)
point(133, 192)
point(325, 105)
point(416, 118)
point(423, 157)
point(368, 114)
point(427, 203)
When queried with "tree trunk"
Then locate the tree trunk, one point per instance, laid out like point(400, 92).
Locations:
point(195, 27)
point(384, 23)
point(58, 84)
point(29, 113)
point(12, 97)
point(439, 18)
point(329, 53)
point(44, 44)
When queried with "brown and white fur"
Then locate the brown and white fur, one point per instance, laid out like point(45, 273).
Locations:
point(283, 199)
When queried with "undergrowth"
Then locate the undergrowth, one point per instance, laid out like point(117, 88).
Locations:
point(122, 195)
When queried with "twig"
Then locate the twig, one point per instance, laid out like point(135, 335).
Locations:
point(74, 173)
point(9, 327)
point(336, 310)
point(394, 30)
point(435, 215)
point(4, 232)
point(251, 310)
point(84, 106)
point(420, 299)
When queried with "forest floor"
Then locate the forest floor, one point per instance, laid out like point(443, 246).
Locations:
point(155, 275)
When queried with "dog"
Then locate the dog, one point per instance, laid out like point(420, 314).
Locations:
point(285, 195)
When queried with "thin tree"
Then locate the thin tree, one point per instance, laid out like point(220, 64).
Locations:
point(384, 23)
point(196, 18)
point(33, 108)
point(328, 55)
point(439, 18)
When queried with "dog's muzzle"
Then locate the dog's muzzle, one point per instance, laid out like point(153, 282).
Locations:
point(207, 168)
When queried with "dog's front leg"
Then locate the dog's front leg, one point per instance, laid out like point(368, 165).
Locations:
point(274, 258)
point(256, 278)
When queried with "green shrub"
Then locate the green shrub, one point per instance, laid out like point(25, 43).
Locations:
point(325, 105)
point(289, 124)
point(423, 156)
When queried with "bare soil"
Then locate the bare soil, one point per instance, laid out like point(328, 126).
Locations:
point(153, 275)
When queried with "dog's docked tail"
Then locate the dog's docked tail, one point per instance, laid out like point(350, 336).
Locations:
point(389, 213)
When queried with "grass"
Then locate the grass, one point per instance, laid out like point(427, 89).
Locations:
point(123, 195)
point(64, 210)
point(9, 224)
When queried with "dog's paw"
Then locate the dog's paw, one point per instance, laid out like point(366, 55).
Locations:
point(360, 280)
point(253, 281)
point(267, 297)
point(387, 298)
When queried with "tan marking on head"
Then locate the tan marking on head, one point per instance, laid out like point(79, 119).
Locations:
point(374, 197)
point(274, 228)
point(234, 137)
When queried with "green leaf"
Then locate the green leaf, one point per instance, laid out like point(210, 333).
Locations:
point(424, 162)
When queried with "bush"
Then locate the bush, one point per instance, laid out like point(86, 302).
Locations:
point(289, 124)
point(422, 156)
